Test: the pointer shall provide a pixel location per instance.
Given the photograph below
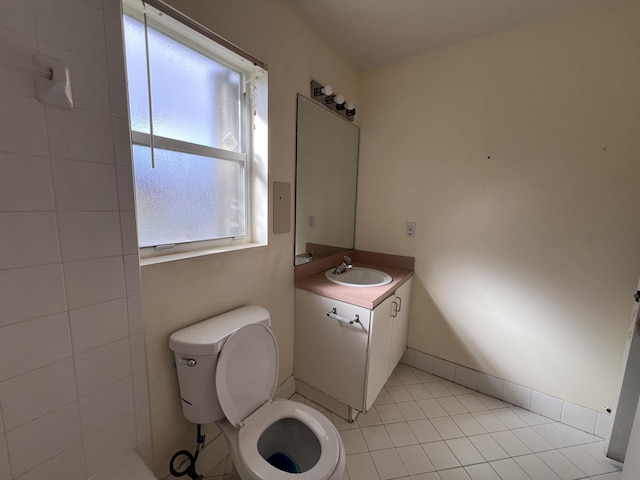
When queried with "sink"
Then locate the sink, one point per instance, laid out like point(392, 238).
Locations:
point(359, 277)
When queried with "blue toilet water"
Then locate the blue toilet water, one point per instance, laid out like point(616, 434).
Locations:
point(284, 462)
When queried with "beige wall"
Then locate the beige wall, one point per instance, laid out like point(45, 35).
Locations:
point(180, 293)
point(518, 156)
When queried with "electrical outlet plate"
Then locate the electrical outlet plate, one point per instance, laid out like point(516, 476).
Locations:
point(410, 229)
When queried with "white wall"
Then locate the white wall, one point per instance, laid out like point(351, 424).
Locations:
point(180, 293)
point(73, 390)
point(517, 155)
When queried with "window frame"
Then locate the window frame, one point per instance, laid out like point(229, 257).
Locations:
point(253, 77)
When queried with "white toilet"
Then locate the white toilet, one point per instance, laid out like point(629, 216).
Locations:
point(227, 371)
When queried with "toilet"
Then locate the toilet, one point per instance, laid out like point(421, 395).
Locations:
point(227, 371)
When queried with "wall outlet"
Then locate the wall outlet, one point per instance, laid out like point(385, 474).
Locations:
point(311, 221)
point(410, 229)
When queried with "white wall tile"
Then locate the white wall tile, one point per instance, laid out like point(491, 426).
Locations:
point(129, 233)
point(145, 451)
point(106, 407)
point(579, 417)
point(138, 353)
point(25, 183)
point(603, 425)
point(119, 107)
point(408, 357)
point(132, 274)
point(89, 79)
point(112, 6)
point(18, 111)
point(444, 369)
point(28, 293)
point(134, 306)
point(490, 385)
point(28, 239)
point(71, 24)
point(5, 468)
point(85, 235)
point(423, 362)
point(44, 438)
point(17, 15)
point(94, 281)
point(115, 43)
point(517, 395)
point(109, 444)
point(102, 367)
point(143, 425)
point(80, 135)
point(140, 389)
point(126, 188)
point(32, 344)
point(122, 140)
point(84, 186)
point(98, 325)
point(546, 405)
point(467, 377)
point(16, 49)
point(69, 465)
point(37, 393)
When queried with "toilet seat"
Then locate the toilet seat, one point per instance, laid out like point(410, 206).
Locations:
point(270, 413)
point(247, 372)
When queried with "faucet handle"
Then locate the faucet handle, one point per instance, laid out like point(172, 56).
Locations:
point(347, 260)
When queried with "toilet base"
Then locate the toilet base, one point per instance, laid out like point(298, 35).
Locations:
point(239, 472)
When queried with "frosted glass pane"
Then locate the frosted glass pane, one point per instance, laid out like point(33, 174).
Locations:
point(187, 198)
point(194, 98)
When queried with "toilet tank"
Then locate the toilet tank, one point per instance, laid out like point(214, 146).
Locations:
point(196, 349)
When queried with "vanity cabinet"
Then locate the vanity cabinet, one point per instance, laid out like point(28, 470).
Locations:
point(347, 351)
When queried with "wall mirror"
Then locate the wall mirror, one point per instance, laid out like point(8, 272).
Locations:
point(326, 179)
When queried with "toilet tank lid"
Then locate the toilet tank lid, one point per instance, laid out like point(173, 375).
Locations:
point(208, 336)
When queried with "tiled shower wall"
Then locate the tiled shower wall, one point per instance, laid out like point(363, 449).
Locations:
point(73, 389)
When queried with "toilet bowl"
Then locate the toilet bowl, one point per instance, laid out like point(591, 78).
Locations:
point(227, 371)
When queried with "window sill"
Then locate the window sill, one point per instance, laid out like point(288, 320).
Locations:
point(173, 257)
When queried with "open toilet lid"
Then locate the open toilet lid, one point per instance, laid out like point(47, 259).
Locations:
point(247, 371)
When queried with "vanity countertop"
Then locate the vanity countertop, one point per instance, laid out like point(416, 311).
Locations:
point(314, 280)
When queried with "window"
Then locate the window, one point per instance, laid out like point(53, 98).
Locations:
point(198, 128)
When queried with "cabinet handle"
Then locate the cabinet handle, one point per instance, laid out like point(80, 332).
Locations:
point(394, 309)
point(399, 300)
point(333, 314)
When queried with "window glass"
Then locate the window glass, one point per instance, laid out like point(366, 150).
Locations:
point(187, 198)
point(194, 98)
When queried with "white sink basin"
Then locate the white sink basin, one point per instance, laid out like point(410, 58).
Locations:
point(359, 277)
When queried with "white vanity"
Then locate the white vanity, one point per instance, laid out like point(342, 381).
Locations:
point(348, 340)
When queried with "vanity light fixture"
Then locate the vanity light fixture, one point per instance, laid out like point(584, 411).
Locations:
point(337, 103)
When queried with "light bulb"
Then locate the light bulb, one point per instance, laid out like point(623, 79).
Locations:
point(327, 90)
point(350, 105)
point(339, 99)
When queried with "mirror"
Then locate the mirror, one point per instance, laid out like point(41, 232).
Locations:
point(326, 179)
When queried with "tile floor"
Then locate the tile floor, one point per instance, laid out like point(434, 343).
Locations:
point(423, 427)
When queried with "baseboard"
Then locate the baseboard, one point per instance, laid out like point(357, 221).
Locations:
point(587, 420)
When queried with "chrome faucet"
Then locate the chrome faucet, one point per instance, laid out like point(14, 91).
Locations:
point(344, 266)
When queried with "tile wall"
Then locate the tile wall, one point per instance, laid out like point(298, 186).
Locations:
point(585, 419)
point(73, 388)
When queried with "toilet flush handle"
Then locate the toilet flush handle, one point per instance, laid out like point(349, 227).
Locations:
point(189, 362)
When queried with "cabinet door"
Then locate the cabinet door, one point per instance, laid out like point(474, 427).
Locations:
point(400, 324)
point(331, 355)
point(379, 350)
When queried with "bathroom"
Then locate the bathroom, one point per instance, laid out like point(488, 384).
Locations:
point(515, 154)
